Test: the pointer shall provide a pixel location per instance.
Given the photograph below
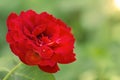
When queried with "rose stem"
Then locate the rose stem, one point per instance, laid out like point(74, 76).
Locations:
point(11, 71)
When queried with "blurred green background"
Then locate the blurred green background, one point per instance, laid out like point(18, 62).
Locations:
point(96, 26)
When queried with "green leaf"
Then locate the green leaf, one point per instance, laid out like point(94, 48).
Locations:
point(24, 72)
point(12, 69)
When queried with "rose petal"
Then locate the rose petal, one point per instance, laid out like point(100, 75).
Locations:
point(49, 62)
point(49, 69)
point(28, 19)
point(10, 20)
point(38, 30)
point(13, 22)
point(45, 62)
point(44, 18)
point(14, 36)
point(64, 55)
point(45, 52)
point(32, 58)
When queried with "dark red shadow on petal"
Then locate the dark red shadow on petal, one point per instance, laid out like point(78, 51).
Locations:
point(50, 69)
point(38, 30)
point(32, 58)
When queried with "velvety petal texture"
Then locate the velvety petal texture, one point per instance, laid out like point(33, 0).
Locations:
point(40, 39)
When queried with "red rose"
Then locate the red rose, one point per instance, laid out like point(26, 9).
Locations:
point(40, 39)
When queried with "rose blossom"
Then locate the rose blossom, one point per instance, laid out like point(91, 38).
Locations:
point(40, 39)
